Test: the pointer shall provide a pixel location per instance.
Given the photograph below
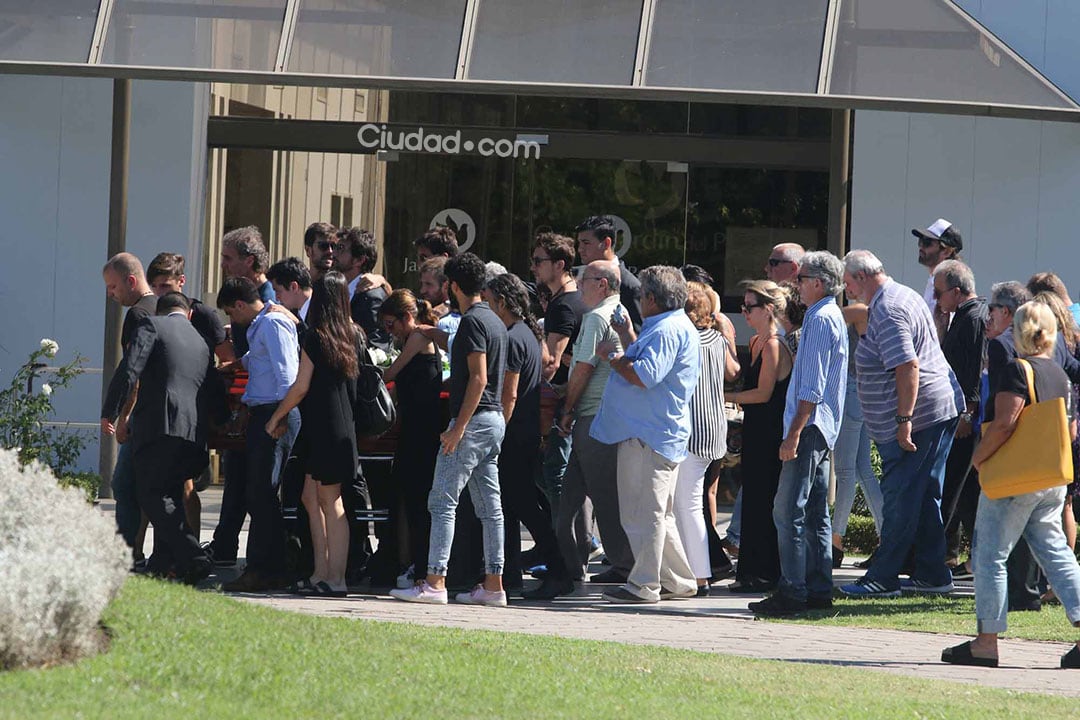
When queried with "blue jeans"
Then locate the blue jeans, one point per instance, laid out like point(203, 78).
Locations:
point(553, 468)
point(734, 528)
point(474, 463)
point(998, 525)
point(801, 516)
point(911, 488)
point(851, 458)
point(128, 513)
point(266, 458)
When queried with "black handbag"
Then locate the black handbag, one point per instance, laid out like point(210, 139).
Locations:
point(373, 409)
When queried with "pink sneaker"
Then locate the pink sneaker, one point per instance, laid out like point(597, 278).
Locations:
point(422, 593)
point(480, 596)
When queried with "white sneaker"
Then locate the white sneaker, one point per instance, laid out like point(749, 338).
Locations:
point(406, 579)
point(422, 593)
point(480, 596)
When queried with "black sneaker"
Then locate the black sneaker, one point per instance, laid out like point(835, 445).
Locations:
point(961, 572)
point(550, 589)
point(622, 596)
point(819, 603)
point(777, 605)
point(218, 556)
point(613, 576)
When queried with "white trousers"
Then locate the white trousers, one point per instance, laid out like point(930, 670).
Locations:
point(689, 517)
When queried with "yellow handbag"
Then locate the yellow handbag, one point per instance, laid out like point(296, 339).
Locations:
point(1037, 456)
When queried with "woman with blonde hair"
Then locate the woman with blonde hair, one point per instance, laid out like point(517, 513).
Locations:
point(1034, 515)
point(708, 433)
point(763, 397)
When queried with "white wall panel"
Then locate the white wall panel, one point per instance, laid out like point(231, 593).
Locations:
point(879, 185)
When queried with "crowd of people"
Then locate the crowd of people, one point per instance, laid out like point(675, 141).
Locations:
point(588, 403)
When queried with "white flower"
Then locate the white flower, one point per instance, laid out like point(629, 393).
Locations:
point(379, 356)
point(46, 389)
point(51, 347)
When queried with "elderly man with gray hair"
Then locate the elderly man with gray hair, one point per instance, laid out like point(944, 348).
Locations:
point(964, 346)
point(645, 409)
point(812, 417)
point(910, 400)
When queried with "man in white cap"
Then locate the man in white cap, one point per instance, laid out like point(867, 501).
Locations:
point(937, 243)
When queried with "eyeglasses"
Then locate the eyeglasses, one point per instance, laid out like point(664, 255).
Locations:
point(773, 262)
point(748, 308)
point(534, 260)
point(325, 245)
point(802, 277)
point(939, 293)
point(995, 306)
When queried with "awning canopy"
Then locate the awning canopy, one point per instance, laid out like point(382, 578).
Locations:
point(915, 55)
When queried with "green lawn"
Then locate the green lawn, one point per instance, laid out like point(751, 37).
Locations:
point(939, 615)
point(185, 654)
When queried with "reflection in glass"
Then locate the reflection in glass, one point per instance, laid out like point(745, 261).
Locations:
point(770, 45)
point(56, 31)
point(456, 109)
point(405, 38)
point(223, 34)
point(598, 114)
point(759, 121)
point(567, 41)
point(926, 49)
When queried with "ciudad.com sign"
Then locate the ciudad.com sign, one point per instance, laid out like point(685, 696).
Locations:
point(443, 141)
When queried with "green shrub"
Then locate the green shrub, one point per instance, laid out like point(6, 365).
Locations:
point(861, 535)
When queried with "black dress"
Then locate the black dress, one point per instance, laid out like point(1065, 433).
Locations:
point(418, 385)
point(763, 431)
point(328, 420)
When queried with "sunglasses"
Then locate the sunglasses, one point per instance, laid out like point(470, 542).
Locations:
point(325, 245)
point(939, 293)
point(773, 262)
point(801, 277)
point(748, 308)
point(995, 306)
point(534, 261)
point(925, 242)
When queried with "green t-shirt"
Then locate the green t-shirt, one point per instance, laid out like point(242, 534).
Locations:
point(595, 328)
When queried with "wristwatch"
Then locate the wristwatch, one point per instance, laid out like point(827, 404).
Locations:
point(966, 417)
point(901, 419)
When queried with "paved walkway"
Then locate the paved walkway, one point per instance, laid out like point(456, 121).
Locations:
point(720, 623)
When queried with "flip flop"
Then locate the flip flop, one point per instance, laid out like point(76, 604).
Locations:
point(323, 589)
point(961, 655)
point(302, 586)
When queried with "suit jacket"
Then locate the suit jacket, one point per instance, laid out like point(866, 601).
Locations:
point(365, 313)
point(170, 361)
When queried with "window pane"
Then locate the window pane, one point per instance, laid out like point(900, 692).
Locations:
point(406, 38)
point(737, 45)
point(47, 30)
point(567, 41)
point(598, 114)
point(926, 49)
point(224, 34)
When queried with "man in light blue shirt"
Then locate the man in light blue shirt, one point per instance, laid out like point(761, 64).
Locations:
point(272, 362)
point(812, 417)
point(645, 409)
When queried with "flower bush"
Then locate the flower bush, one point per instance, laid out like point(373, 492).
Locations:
point(61, 562)
point(23, 412)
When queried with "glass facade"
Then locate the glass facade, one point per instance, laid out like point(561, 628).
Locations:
point(222, 34)
point(772, 45)
point(563, 41)
point(406, 38)
point(49, 31)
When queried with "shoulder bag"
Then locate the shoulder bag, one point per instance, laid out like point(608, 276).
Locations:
point(1037, 456)
point(373, 408)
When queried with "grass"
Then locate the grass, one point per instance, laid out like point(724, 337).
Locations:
point(939, 615)
point(181, 653)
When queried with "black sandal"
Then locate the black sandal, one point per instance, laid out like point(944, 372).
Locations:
point(961, 655)
point(323, 589)
point(1071, 659)
point(302, 586)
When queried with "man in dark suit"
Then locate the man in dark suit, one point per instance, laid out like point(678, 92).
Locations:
point(356, 258)
point(169, 360)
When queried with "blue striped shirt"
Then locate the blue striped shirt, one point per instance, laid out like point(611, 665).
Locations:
point(819, 374)
point(900, 330)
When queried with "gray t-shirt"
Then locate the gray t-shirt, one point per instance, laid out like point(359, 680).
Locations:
point(595, 328)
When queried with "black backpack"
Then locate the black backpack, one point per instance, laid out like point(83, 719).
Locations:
point(373, 409)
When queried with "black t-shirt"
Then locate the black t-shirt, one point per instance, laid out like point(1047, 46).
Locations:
point(523, 357)
point(630, 294)
point(563, 316)
point(205, 319)
point(144, 308)
point(1050, 382)
point(480, 331)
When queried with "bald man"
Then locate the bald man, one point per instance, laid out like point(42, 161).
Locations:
point(125, 283)
point(784, 261)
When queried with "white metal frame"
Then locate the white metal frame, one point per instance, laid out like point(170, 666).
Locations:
point(101, 28)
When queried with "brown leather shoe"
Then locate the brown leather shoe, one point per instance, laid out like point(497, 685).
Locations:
point(252, 581)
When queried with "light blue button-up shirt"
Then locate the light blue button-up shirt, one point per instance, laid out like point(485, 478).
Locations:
point(819, 374)
point(665, 359)
point(272, 359)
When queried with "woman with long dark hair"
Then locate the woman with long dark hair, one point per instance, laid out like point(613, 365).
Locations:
point(329, 364)
point(520, 452)
point(417, 376)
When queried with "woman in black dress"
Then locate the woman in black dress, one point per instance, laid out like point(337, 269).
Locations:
point(763, 399)
point(417, 376)
point(329, 364)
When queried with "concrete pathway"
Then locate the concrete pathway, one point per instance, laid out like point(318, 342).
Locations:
point(719, 623)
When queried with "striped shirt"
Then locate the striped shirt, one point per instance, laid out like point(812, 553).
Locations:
point(708, 423)
point(900, 330)
point(819, 374)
